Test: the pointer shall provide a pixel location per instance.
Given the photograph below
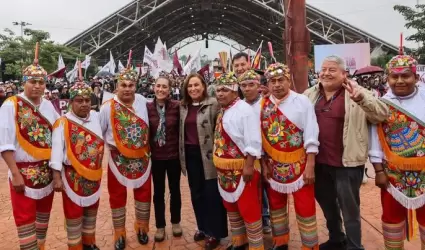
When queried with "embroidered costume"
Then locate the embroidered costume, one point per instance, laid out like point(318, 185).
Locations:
point(26, 129)
point(77, 153)
point(236, 135)
point(399, 144)
point(289, 132)
point(126, 132)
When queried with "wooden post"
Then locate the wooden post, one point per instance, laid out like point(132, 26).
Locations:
point(297, 43)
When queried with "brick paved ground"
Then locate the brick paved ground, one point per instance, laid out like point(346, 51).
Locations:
point(370, 210)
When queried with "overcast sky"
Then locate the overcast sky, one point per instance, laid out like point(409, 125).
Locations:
point(64, 18)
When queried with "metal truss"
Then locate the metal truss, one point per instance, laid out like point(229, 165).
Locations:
point(181, 22)
point(210, 37)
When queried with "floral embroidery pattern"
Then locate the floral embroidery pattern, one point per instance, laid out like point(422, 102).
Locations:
point(404, 135)
point(278, 129)
point(130, 168)
point(32, 126)
point(224, 147)
point(87, 148)
point(37, 174)
point(79, 184)
point(229, 179)
point(286, 172)
point(410, 183)
point(131, 130)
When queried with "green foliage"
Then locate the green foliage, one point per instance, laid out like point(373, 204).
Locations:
point(18, 52)
point(381, 61)
point(415, 19)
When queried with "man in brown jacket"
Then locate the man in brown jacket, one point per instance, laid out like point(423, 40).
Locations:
point(343, 111)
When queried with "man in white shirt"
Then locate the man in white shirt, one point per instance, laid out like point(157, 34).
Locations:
point(125, 126)
point(290, 143)
point(76, 160)
point(397, 150)
point(237, 148)
point(25, 145)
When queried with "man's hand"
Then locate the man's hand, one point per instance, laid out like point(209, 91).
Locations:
point(308, 175)
point(266, 169)
point(353, 89)
point(248, 172)
point(57, 181)
point(381, 180)
point(18, 182)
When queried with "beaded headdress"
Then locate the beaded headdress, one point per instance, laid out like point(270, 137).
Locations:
point(250, 76)
point(401, 63)
point(227, 80)
point(34, 71)
point(276, 70)
point(80, 88)
point(128, 74)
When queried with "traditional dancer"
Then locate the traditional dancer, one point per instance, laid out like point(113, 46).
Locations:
point(25, 145)
point(237, 146)
point(290, 142)
point(124, 122)
point(77, 154)
point(397, 151)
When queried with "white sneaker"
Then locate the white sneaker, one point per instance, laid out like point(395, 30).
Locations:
point(365, 177)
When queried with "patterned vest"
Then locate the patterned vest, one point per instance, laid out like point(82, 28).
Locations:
point(84, 149)
point(402, 138)
point(284, 148)
point(131, 158)
point(34, 136)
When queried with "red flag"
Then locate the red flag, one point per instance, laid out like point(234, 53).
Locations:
point(257, 58)
point(205, 72)
point(60, 73)
point(177, 64)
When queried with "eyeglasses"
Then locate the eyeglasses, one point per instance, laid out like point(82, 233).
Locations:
point(328, 108)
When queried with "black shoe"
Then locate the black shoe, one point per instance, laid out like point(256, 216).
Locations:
point(329, 245)
point(231, 247)
point(120, 244)
point(212, 243)
point(283, 247)
point(90, 247)
point(199, 236)
point(142, 238)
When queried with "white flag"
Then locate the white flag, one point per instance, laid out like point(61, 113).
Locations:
point(61, 64)
point(86, 63)
point(194, 64)
point(112, 65)
point(150, 60)
point(120, 66)
point(73, 74)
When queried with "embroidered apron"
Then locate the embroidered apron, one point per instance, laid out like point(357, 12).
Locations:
point(284, 148)
point(85, 152)
point(402, 138)
point(130, 160)
point(34, 135)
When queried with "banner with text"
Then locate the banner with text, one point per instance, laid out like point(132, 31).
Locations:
point(61, 105)
point(420, 69)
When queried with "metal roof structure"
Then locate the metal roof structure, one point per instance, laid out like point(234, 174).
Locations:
point(181, 22)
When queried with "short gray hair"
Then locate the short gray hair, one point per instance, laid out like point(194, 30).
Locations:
point(336, 59)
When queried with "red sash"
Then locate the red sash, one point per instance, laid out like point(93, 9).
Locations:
point(79, 184)
point(33, 130)
point(131, 133)
point(36, 175)
point(130, 168)
point(228, 154)
point(282, 143)
point(84, 149)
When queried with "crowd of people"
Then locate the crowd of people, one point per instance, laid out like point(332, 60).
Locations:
point(244, 149)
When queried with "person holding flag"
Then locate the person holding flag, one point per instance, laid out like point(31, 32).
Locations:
point(399, 167)
point(237, 148)
point(76, 160)
point(125, 126)
point(25, 145)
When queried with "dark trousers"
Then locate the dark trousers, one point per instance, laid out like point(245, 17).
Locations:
point(338, 191)
point(265, 207)
point(171, 169)
point(211, 216)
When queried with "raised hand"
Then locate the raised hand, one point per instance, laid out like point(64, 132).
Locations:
point(352, 88)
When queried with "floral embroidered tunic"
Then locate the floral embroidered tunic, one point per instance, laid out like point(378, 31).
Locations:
point(85, 139)
point(291, 131)
point(403, 153)
point(36, 133)
point(237, 134)
point(127, 132)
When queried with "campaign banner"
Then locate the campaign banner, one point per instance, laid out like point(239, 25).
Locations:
point(420, 70)
point(61, 105)
point(356, 55)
